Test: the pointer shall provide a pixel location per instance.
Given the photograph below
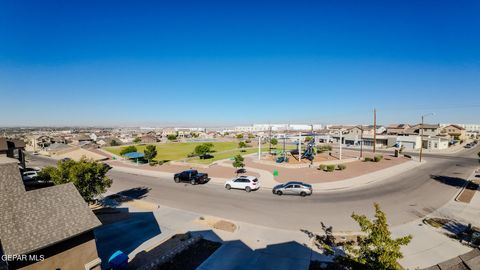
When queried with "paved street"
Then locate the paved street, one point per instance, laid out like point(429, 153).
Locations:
point(404, 197)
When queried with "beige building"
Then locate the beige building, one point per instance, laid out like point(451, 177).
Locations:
point(454, 132)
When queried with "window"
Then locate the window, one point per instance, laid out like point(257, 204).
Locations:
point(296, 186)
point(289, 186)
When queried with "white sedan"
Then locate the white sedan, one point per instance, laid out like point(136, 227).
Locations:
point(247, 183)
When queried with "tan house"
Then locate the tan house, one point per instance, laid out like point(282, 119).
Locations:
point(455, 132)
point(47, 228)
point(395, 129)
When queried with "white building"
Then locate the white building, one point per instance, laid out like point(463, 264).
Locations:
point(409, 142)
point(277, 127)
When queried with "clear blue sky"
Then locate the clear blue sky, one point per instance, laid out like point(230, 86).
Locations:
point(113, 62)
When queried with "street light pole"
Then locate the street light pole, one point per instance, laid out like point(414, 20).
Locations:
point(340, 155)
point(421, 135)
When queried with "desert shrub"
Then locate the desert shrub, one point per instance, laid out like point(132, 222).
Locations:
point(367, 159)
point(378, 158)
point(331, 168)
point(324, 148)
point(322, 167)
point(341, 167)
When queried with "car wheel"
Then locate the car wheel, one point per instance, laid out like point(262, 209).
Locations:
point(303, 194)
point(279, 193)
point(248, 189)
point(177, 180)
point(228, 187)
point(192, 182)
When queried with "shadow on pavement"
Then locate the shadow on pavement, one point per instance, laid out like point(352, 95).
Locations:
point(123, 230)
point(135, 193)
point(449, 180)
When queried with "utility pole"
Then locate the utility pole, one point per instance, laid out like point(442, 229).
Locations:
point(269, 139)
point(421, 139)
point(341, 133)
point(374, 129)
point(259, 147)
point(361, 143)
point(421, 135)
point(300, 146)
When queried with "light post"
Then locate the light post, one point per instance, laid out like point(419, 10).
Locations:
point(421, 135)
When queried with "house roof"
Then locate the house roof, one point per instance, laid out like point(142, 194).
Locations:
point(455, 126)
point(32, 220)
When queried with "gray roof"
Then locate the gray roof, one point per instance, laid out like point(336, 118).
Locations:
point(35, 219)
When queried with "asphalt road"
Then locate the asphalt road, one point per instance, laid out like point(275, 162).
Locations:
point(404, 197)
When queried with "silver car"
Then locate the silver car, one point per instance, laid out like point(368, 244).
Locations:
point(293, 188)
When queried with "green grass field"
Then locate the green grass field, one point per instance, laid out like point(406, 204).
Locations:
point(177, 151)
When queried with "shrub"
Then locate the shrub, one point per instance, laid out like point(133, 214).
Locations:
point(342, 167)
point(322, 167)
point(128, 149)
point(378, 158)
point(367, 159)
point(153, 163)
point(331, 168)
point(324, 148)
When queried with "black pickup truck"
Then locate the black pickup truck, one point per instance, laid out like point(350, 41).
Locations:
point(191, 176)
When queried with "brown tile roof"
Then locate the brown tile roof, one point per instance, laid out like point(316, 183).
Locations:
point(35, 219)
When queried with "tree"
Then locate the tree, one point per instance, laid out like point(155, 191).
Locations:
point(88, 176)
point(203, 149)
point(172, 137)
point(137, 140)
point(251, 136)
point(128, 149)
point(274, 141)
point(377, 249)
point(242, 145)
point(238, 162)
point(308, 138)
point(239, 136)
point(114, 143)
point(150, 152)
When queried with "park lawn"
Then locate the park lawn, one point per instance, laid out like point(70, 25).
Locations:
point(231, 154)
point(175, 151)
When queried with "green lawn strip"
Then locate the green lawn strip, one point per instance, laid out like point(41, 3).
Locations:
point(177, 151)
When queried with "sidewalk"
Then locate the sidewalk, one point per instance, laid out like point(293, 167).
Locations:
point(430, 245)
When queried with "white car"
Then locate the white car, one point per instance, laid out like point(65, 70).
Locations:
point(30, 175)
point(247, 183)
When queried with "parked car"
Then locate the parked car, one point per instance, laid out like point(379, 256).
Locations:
point(191, 176)
point(468, 145)
point(29, 175)
point(247, 183)
point(293, 188)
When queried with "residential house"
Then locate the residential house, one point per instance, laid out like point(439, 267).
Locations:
point(409, 142)
point(109, 141)
point(395, 129)
point(428, 130)
point(53, 224)
point(455, 132)
point(13, 148)
point(149, 139)
point(435, 143)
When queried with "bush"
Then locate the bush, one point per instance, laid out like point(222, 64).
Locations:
point(153, 163)
point(323, 148)
point(342, 167)
point(367, 159)
point(331, 168)
point(322, 167)
point(128, 149)
point(378, 158)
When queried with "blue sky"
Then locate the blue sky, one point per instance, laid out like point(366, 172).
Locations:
point(213, 63)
